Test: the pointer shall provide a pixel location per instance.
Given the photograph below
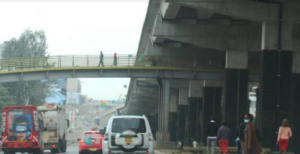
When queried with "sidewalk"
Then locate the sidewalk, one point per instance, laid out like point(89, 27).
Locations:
point(201, 150)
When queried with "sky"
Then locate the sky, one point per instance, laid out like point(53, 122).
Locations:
point(79, 27)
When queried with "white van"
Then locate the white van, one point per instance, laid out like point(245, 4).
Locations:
point(128, 134)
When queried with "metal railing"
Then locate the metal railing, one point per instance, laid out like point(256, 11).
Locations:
point(108, 61)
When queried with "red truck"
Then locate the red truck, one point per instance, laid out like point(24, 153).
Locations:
point(22, 130)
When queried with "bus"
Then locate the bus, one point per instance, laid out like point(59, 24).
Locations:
point(22, 130)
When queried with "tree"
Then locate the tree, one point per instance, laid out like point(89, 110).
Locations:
point(30, 46)
point(5, 98)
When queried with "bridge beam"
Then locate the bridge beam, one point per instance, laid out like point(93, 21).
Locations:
point(250, 10)
point(145, 72)
point(169, 10)
point(210, 36)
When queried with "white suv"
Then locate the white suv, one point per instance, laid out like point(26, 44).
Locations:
point(128, 134)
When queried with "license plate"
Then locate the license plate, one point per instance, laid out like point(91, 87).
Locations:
point(128, 139)
point(93, 149)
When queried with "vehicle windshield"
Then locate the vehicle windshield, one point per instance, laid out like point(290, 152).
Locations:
point(134, 124)
point(91, 135)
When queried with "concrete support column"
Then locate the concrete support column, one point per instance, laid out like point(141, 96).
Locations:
point(173, 115)
point(194, 111)
point(269, 35)
point(166, 105)
point(235, 100)
point(211, 107)
point(274, 101)
point(164, 108)
point(181, 123)
point(295, 107)
point(274, 93)
point(193, 123)
point(273, 39)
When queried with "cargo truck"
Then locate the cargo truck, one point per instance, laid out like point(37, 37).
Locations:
point(22, 130)
point(55, 127)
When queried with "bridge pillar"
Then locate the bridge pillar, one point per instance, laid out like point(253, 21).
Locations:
point(235, 102)
point(194, 109)
point(274, 93)
point(275, 85)
point(294, 121)
point(163, 133)
point(212, 93)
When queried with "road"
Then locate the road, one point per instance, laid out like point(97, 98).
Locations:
point(70, 150)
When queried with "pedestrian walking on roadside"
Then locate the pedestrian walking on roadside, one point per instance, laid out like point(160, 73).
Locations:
point(241, 136)
point(223, 137)
point(284, 134)
point(115, 60)
point(252, 144)
point(211, 133)
point(101, 59)
point(238, 145)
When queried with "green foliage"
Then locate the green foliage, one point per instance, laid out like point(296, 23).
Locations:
point(27, 51)
point(27, 92)
point(5, 98)
point(30, 45)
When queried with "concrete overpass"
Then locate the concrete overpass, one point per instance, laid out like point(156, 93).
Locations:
point(69, 66)
point(236, 36)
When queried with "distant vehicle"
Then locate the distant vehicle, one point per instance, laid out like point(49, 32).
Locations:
point(90, 142)
point(22, 130)
point(55, 128)
point(128, 134)
point(97, 121)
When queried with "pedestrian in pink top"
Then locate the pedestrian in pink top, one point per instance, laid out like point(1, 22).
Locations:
point(284, 134)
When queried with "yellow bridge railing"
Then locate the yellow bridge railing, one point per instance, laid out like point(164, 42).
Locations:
point(107, 61)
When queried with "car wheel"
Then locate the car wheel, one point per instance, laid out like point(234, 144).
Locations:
point(64, 146)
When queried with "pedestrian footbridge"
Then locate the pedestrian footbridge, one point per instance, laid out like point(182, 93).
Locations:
point(128, 66)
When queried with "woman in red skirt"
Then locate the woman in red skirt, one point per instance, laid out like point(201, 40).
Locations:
point(223, 137)
point(284, 134)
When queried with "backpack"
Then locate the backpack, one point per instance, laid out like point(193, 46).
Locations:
point(259, 136)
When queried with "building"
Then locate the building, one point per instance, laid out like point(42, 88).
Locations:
point(73, 85)
point(73, 91)
point(57, 92)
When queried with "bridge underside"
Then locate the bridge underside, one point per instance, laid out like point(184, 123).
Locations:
point(236, 36)
point(125, 72)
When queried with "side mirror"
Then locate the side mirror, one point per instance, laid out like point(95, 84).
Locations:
point(102, 131)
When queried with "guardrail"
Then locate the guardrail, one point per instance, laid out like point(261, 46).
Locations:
point(94, 61)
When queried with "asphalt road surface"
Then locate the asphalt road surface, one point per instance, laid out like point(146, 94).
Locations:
point(70, 150)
